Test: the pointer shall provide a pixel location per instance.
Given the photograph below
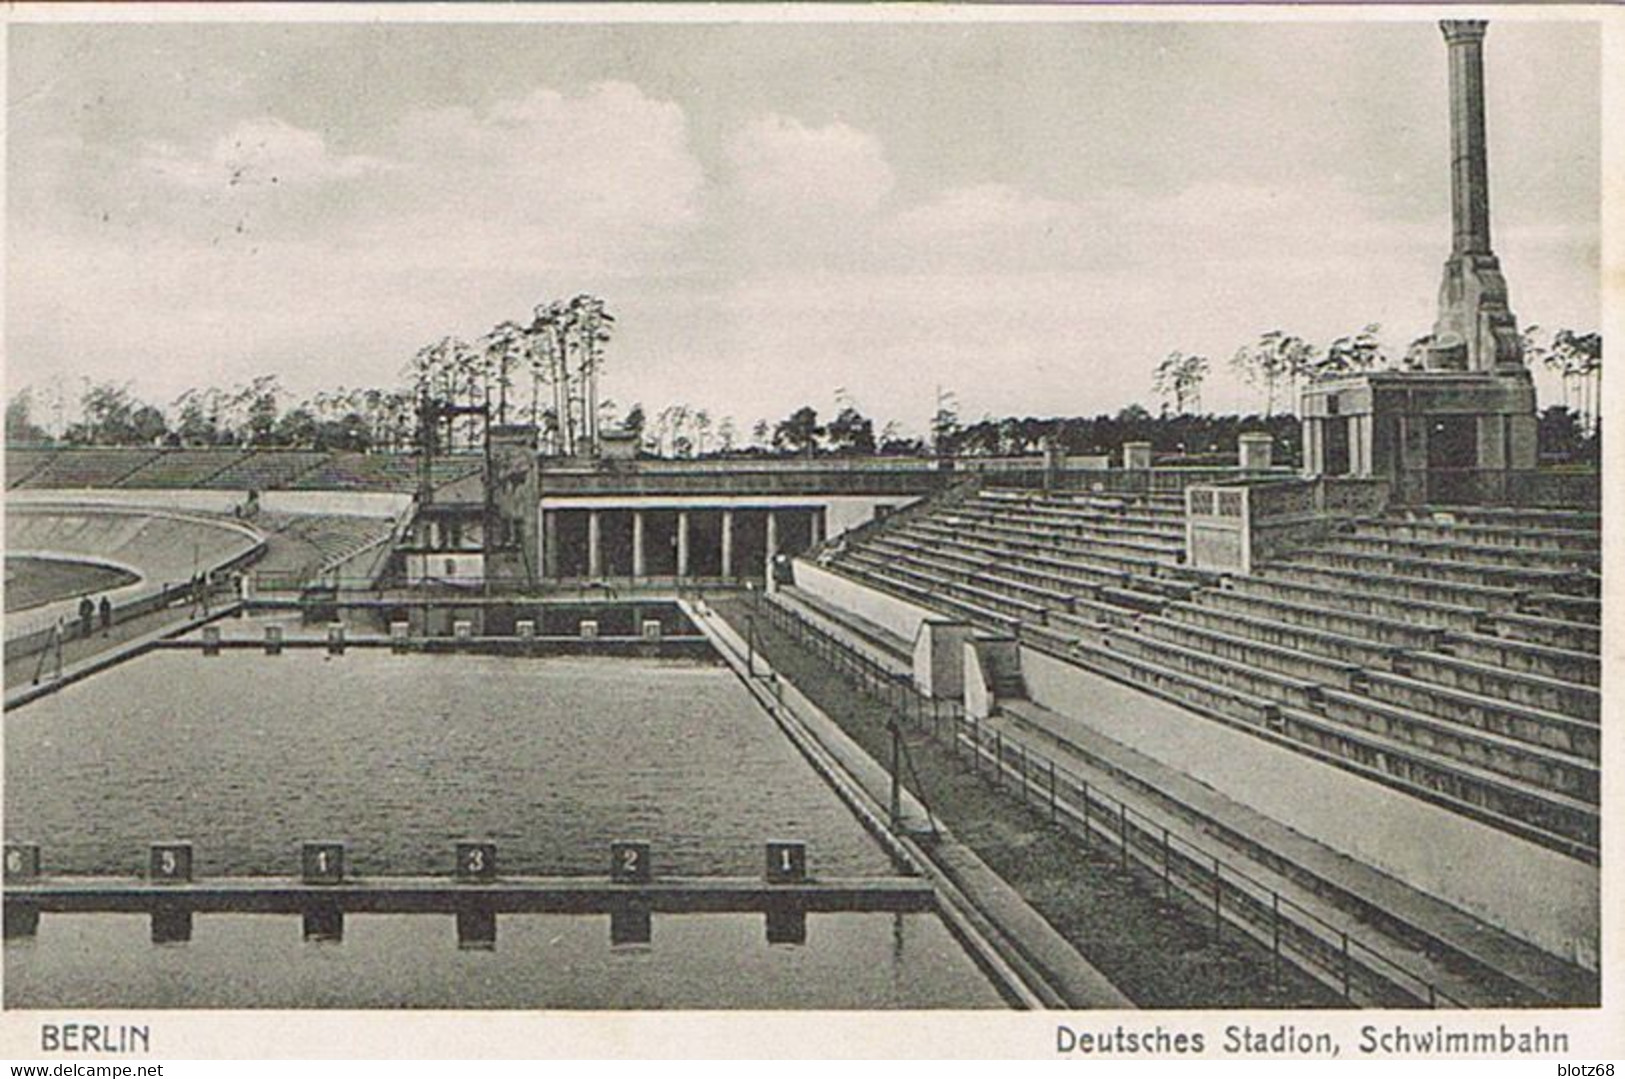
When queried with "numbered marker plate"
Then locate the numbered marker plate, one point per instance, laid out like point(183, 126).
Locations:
point(22, 861)
point(629, 862)
point(322, 863)
point(170, 861)
point(786, 862)
point(476, 861)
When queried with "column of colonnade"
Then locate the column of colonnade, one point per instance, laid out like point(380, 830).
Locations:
point(691, 540)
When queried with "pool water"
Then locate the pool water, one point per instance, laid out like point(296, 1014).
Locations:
point(399, 756)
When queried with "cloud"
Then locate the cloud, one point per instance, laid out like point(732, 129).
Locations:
point(787, 170)
point(445, 221)
point(260, 152)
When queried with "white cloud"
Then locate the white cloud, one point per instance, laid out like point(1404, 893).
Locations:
point(449, 221)
point(785, 169)
point(260, 152)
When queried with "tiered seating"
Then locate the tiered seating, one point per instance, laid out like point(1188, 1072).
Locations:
point(23, 463)
point(267, 470)
point(182, 468)
point(228, 468)
point(1454, 657)
point(362, 472)
point(444, 470)
point(77, 468)
point(304, 543)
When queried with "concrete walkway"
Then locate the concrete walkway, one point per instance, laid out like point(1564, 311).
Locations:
point(1025, 938)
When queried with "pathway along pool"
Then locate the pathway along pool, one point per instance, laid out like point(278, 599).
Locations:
point(247, 755)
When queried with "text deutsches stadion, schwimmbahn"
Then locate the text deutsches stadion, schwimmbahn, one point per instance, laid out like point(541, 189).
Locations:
point(1288, 1039)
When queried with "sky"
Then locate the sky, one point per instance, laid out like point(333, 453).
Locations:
point(1030, 215)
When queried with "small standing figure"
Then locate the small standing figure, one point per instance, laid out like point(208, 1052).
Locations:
point(87, 617)
point(105, 609)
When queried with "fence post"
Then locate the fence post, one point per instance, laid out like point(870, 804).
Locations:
point(896, 775)
point(1167, 882)
point(1122, 832)
point(1345, 966)
point(1023, 757)
point(1218, 900)
point(998, 760)
point(1052, 790)
point(1275, 935)
point(975, 746)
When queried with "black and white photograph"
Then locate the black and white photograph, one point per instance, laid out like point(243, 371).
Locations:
point(858, 511)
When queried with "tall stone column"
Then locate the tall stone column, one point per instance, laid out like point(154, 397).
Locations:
point(772, 537)
point(639, 562)
point(595, 544)
point(727, 543)
point(550, 543)
point(682, 543)
point(1469, 159)
point(1475, 330)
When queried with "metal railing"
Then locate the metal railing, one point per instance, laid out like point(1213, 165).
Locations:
point(1235, 897)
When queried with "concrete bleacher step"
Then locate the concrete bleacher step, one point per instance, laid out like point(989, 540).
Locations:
point(1519, 687)
point(1587, 609)
point(978, 602)
point(73, 469)
point(179, 468)
point(1423, 589)
point(1260, 682)
point(1083, 521)
point(1515, 517)
point(1517, 806)
point(1532, 539)
point(1065, 570)
point(1165, 681)
point(1535, 726)
point(1423, 616)
point(1526, 656)
point(1361, 542)
point(1545, 769)
point(1341, 647)
point(1550, 632)
point(1455, 571)
point(1134, 600)
point(1132, 558)
point(22, 464)
point(1375, 630)
point(1000, 540)
point(1246, 649)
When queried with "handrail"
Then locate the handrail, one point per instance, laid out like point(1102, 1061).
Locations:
point(1257, 908)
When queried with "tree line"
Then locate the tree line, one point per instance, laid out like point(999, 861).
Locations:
point(544, 371)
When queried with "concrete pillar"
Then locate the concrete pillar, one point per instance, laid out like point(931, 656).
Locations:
point(1522, 451)
point(639, 564)
point(1492, 442)
point(817, 525)
point(1256, 451)
point(772, 535)
point(727, 543)
point(682, 543)
point(1137, 455)
point(595, 545)
point(1469, 168)
point(550, 543)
